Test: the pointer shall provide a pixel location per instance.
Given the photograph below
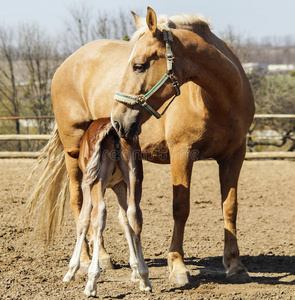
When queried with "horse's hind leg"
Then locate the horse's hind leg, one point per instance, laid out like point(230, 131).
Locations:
point(82, 229)
point(131, 221)
point(229, 170)
point(76, 200)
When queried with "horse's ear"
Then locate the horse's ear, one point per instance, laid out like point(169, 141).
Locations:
point(151, 20)
point(136, 20)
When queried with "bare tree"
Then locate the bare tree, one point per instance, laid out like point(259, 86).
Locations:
point(237, 42)
point(40, 59)
point(101, 28)
point(8, 85)
point(84, 25)
point(78, 27)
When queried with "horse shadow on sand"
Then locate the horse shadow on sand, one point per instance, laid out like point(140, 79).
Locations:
point(263, 269)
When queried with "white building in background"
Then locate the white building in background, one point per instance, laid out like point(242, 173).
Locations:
point(255, 67)
point(280, 68)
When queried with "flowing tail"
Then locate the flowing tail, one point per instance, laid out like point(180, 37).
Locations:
point(46, 206)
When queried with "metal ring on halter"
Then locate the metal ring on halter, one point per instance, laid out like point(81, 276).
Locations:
point(169, 56)
point(170, 72)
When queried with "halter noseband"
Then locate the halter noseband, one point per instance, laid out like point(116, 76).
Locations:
point(169, 74)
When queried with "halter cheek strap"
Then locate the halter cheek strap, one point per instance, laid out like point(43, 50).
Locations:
point(169, 74)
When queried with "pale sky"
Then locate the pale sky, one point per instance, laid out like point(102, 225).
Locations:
point(250, 18)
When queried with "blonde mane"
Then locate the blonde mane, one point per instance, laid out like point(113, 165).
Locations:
point(195, 23)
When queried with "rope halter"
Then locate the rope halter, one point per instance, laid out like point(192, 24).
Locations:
point(169, 74)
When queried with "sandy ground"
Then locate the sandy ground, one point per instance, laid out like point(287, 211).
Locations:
point(266, 233)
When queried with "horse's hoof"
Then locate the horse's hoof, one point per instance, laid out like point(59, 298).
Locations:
point(145, 286)
point(68, 277)
point(239, 278)
point(182, 278)
point(106, 264)
point(90, 290)
point(82, 270)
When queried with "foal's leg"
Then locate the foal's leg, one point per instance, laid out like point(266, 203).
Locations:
point(105, 261)
point(98, 221)
point(134, 216)
point(132, 225)
point(76, 200)
point(120, 189)
point(229, 170)
point(82, 229)
point(181, 168)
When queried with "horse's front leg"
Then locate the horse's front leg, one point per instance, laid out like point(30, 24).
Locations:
point(181, 169)
point(229, 170)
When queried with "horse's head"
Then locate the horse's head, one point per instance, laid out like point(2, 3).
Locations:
point(149, 80)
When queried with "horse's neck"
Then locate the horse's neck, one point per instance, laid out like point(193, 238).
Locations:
point(213, 69)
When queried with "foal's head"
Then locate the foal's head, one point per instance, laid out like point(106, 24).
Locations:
point(145, 87)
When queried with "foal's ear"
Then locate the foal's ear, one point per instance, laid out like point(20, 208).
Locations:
point(136, 20)
point(151, 20)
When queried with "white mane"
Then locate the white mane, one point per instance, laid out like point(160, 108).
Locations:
point(183, 21)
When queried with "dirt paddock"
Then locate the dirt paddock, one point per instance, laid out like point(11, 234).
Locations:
point(266, 234)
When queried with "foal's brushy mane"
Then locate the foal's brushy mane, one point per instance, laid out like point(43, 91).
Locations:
point(189, 22)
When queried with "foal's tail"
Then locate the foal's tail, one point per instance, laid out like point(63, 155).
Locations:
point(92, 169)
point(46, 205)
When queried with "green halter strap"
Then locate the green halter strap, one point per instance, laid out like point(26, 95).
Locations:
point(169, 74)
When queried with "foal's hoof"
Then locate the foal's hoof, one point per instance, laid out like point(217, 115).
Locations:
point(106, 264)
point(90, 289)
point(181, 278)
point(239, 278)
point(68, 277)
point(145, 286)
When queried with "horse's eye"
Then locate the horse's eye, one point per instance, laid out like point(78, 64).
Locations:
point(139, 67)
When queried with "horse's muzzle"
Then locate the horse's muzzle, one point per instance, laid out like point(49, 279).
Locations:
point(127, 132)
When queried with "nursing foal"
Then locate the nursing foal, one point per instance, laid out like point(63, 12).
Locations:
point(109, 162)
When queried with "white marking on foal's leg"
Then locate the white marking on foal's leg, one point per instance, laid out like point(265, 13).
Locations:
point(142, 269)
point(98, 226)
point(82, 229)
point(127, 230)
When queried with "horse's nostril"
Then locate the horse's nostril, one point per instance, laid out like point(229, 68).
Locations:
point(117, 125)
point(119, 129)
point(133, 127)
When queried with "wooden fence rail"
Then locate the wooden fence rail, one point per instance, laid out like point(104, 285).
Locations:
point(24, 137)
point(27, 118)
point(20, 137)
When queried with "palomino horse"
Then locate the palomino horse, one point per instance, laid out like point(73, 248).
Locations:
point(108, 163)
point(209, 119)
